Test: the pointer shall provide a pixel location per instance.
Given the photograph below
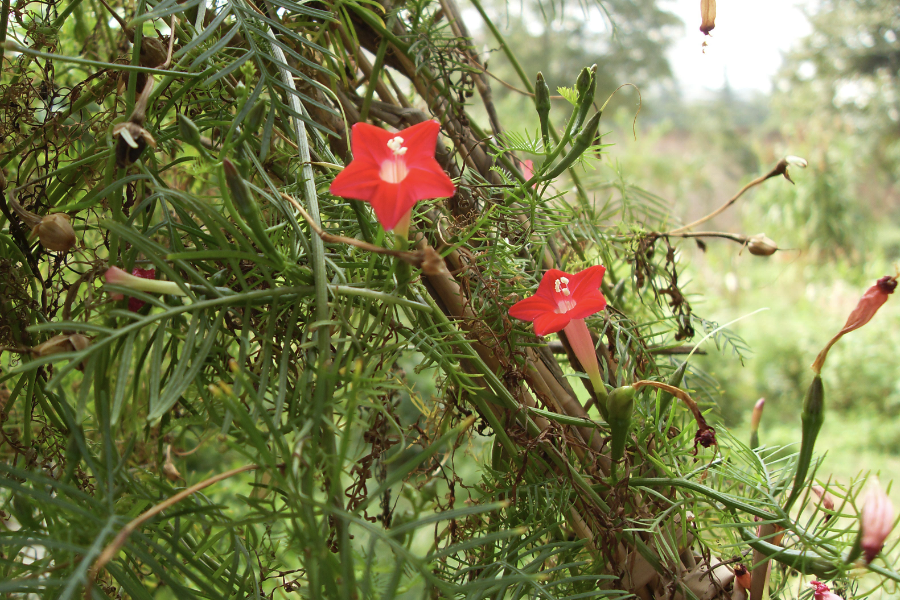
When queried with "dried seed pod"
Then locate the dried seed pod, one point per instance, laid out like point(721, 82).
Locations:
point(54, 231)
point(61, 343)
point(760, 245)
point(132, 139)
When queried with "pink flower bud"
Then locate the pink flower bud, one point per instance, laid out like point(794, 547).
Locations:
point(756, 416)
point(141, 283)
point(876, 521)
point(823, 592)
point(826, 500)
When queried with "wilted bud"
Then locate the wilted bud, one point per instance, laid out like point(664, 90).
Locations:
point(62, 343)
point(876, 521)
point(742, 576)
point(132, 139)
point(788, 161)
point(822, 592)
point(826, 500)
point(868, 305)
point(169, 469)
point(707, 16)
point(760, 245)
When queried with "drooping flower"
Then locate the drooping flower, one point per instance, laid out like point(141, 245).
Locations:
point(393, 171)
point(562, 302)
point(868, 305)
point(826, 500)
point(823, 592)
point(876, 521)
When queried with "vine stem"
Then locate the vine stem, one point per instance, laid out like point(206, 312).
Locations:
point(113, 547)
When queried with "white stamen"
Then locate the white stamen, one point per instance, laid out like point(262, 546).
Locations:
point(396, 146)
point(562, 286)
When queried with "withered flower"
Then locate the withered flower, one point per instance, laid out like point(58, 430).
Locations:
point(131, 136)
point(707, 16)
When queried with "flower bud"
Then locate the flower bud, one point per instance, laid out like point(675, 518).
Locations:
point(826, 500)
point(876, 521)
point(755, 418)
point(190, 133)
point(823, 592)
point(542, 105)
point(619, 407)
point(117, 276)
point(760, 245)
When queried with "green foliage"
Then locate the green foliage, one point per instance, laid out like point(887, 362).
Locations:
point(295, 409)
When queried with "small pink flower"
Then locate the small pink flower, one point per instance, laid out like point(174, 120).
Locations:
point(876, 521)
point(823, 592)
point(393, 171)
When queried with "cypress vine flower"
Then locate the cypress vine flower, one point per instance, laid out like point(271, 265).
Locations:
point(562, 302)
point(393, 171)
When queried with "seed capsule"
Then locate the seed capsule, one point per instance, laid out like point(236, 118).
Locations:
point(54, 231)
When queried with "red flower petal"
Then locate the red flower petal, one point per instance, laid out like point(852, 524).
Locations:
point(531, 308)
point(421, 139)
point(587, 306)
point(369, 143)
point(588, 280)
point(551, 322)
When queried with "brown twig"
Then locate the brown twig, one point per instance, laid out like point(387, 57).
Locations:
point(413, 258)
point(779, 169)
point(113, 547)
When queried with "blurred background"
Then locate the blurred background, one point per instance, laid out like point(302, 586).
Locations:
point(815, 79)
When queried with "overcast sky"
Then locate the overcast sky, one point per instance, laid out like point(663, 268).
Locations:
point(747, 43)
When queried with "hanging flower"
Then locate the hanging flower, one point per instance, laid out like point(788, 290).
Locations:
point(876, 521)
point(562, 302)
point(868, 305)
point(823, 592)
point(393, 171)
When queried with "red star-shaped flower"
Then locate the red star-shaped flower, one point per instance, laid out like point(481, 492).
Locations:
point(393, 171)
point(560, 298)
